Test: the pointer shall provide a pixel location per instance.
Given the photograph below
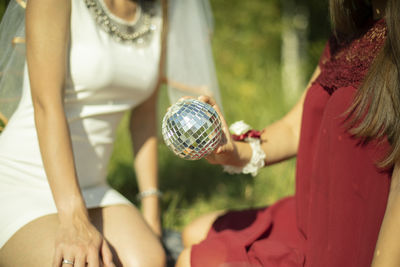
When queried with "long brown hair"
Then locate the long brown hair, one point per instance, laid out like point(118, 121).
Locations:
point(375, 112)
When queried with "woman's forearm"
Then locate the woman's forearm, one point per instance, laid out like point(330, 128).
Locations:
point(57, 155)
point(47, 38)
point(146, 166)
point(143, 128)
point(388, 245)
point(280, 140)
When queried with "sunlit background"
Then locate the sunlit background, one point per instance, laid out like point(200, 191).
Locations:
point(265, 52)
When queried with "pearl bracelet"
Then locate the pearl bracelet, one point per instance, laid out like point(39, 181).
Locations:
point(149, 192)
point(257, 160)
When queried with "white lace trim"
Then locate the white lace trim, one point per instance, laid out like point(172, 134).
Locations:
point(257, 160)
point(239, 127)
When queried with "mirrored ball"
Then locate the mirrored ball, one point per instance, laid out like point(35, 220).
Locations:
point(191, 129)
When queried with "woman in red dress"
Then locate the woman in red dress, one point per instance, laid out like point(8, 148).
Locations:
point(345, 131)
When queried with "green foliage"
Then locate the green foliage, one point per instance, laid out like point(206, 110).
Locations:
point(3, 4)
point(2, 125)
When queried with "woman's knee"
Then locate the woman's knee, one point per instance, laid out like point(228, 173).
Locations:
point(132, 240)
point(155, 257)
point(184, 258)
point(197, 230)
point(189, 235)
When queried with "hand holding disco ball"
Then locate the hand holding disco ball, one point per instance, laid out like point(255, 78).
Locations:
point(192, 129)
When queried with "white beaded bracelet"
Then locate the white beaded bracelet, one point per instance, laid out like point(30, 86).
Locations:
point(257, 160)
point(149, 192)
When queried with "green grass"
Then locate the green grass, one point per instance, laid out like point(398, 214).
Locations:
point(247, 43)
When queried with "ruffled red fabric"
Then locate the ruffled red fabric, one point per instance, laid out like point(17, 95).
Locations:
point(238, 239)
point(335, 216)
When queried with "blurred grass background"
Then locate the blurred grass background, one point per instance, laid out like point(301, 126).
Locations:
point(247, 47)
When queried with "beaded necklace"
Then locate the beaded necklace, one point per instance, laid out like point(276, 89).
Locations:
point(136, 32)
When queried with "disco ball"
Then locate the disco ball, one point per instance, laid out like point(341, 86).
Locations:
point(191, 129)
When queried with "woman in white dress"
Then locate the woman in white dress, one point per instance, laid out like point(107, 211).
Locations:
point(87, 62)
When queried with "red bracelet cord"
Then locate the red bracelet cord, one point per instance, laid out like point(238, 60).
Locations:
point(250, 133)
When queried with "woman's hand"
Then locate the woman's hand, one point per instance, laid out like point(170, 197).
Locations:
point(79, 242)
point(228, 152)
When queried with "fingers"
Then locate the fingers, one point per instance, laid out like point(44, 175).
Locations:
point(107, 255)
point(211, 102)
point(207, 99)
point(80, 244)
point(184, 97)
point(65, 259)
point(227, 142)
point(93, 259)
point(57, 259)
point(80, 261)
point(226, 145)
point(211, 159)
point(227, 139)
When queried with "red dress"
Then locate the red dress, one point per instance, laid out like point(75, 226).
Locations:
point(335, 216)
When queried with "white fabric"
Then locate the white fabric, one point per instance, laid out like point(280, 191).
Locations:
point(239, 127)
point(12, 58)
point(104, 79)
point(256, 162)
point(190, 65)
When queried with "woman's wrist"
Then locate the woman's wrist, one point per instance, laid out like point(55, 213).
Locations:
point(73, 209)
point(244, 154)
point(151, 212)
point(253, 163)
point(149, 193)
point(151, 207)
point(251, 156)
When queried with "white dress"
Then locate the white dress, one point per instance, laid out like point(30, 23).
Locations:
point(104, 79)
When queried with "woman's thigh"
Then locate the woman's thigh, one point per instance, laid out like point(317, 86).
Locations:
point(132, 241)
point(32, 245)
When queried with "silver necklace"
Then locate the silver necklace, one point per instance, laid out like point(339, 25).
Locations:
point(137, 32)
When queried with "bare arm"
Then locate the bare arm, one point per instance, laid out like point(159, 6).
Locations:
point(47, 40)
point(143, 127)
point(280, 140)
point(47, 33)
point(388, 245)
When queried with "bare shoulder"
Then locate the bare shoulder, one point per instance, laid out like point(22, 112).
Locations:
point(47, 19)
point(48, 2)
point(47, 38)
point(48, 9)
